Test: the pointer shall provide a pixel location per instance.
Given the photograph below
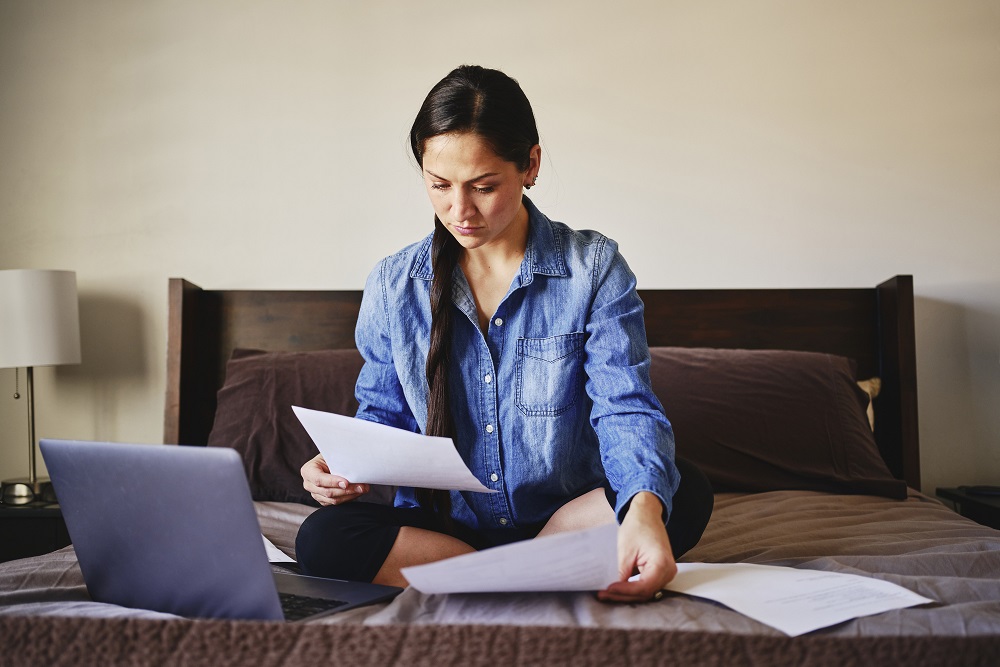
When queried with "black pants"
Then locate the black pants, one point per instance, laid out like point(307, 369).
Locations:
point(352, 541)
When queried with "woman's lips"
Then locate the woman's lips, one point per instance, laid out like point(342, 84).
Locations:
point(466, 231)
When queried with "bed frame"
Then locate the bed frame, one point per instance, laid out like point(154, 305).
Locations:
point(873, 326)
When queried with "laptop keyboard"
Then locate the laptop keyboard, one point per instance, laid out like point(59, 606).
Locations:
point(297, 607)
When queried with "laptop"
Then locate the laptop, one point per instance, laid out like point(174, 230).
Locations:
point(173, 529)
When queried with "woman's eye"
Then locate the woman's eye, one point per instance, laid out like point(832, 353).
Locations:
point(482, 189)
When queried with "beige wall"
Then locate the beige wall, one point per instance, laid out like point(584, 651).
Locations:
point(261, 144)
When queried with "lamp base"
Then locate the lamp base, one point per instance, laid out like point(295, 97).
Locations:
point(23, 491)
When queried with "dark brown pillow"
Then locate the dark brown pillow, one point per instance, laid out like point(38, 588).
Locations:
point(254, 414)
point(764, 420)
point(752, 420)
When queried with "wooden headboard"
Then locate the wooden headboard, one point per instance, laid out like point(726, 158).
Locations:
point(873, 326)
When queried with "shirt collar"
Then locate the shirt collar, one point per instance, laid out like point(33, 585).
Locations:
point(544, 254)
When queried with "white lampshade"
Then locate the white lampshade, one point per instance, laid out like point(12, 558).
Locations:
point(39, 318)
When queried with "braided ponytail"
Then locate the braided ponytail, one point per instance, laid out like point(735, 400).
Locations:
point(440, 420)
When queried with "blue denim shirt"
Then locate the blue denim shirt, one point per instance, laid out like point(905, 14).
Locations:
point(553, 401)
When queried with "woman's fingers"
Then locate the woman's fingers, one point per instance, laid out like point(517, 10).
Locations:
point(316, 472)
point(327, 488)
point(645, 587)
point(337, 496)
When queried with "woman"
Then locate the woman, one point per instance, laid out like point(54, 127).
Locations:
point(521, 339)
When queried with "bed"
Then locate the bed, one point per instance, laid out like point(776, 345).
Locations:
point(800, 405)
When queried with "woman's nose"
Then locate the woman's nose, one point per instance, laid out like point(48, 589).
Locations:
point(462, 208)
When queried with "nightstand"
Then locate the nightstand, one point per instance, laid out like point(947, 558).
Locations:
point(984, 509)
point(31, 530)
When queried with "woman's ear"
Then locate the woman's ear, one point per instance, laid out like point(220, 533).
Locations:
point(534, 164)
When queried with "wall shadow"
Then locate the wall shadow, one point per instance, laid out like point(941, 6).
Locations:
point(112, 341)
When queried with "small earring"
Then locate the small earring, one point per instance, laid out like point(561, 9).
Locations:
point(528, 186)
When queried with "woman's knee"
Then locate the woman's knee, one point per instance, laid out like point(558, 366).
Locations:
point(586, 511)
point(692, 508)
point(695, 490)
point(316, 537)
point(349, 541)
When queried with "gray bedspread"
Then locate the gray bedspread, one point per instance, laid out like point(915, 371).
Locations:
point(917, 543)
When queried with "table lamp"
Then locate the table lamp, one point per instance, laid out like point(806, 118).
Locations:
point(39, 326)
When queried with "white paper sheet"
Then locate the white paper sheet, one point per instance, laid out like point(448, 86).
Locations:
point(369, 453)
point(274, 554)
point(791, 600)
point(583, 560)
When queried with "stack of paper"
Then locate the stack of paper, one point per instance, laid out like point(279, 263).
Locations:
point(791, 600)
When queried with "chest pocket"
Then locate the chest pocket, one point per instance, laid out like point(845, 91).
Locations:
point(549, 372)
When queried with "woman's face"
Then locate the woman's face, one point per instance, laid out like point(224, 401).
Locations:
point(475, 193)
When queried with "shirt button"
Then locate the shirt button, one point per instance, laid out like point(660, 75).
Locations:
point(494, 477)
point(489, 428)
point(498, 321)
point(488, 378)
point(503, 521)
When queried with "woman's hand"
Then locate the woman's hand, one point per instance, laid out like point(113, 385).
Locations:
point(326, 488)
point(642, 546)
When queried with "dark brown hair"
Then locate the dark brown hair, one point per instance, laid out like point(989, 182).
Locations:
point(492, 105)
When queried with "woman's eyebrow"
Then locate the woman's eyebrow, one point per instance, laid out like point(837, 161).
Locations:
point(473, 180)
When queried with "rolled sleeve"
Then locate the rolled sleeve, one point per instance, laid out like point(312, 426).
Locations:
point(636, 439)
